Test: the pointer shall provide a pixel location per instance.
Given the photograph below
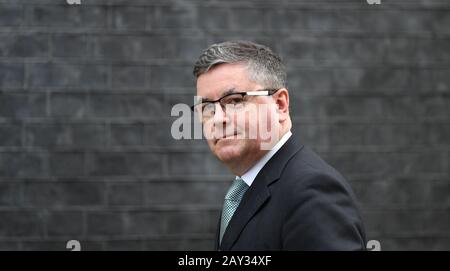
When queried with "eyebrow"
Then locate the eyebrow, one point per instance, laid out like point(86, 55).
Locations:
point(229, 91)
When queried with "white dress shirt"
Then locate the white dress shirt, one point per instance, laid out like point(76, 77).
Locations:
point(250, 175)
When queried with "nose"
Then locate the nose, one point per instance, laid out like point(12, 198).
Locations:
point(219, 114)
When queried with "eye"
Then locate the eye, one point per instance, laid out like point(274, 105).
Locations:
point(233, 99)
point(208, 109)
point(236, 100)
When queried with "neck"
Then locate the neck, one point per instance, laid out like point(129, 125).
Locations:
point(241, 166)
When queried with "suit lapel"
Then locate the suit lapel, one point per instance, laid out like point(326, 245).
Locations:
point(217, 240)
point(259, 192)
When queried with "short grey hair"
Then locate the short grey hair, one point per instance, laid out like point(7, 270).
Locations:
point(264, 66)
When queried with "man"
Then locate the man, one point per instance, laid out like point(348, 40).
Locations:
point(284, 197)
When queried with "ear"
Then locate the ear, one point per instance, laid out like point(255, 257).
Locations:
point(282, 101)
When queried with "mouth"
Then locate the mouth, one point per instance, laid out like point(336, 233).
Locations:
point(228, 136)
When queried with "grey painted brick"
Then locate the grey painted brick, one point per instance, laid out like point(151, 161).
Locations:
point(404, 107)
point(389, 222)
point(435, 106)
point(9, 246)
point(403, 21)
point(428, 162)
point(307, 106)
point(11, 74)
point(172, 17)
point(180, 245)
point(121, 47)
point(382, 80)
point(396, 135)
point(434, 243)
point(127, 134)
point(69, 45)
point(67, 75)
point(67, 164)
point(433, 52)
point(364, 163)
point(123, 194)
point(312, 134)
point(439, 134)
point(434, 79)
point(21, 224)
point(320, 20)
point(124, 245)
point(368, 107)
point(160, 134)
point(393, 192)
point(10, 135)
point(162, 77)
point(22, 105)
point(187, 222)
point(301, 80)
point(145, 223)
point(65, 135)
point(59, 245)
point(11, 15)
point(362, 80)
point(387, 163)
point(65, 223)
point(129, 17)
point(368, 88)
point(125, 163)
point(213, 18)
point(129, 77)
point(193, 164)
point(345, 51)
point(409, 221)
point(109, 164)
point(346, 134)
point(47, 135)
point(245, 19)
point(145, 106)
point(10, 194)
point(51, 194)
point(189, 48)
point(105, 223)
point(58, 15)
point(23, 164)
point(68, 16)
point(184, 193)
point(88, 135)
point(28, 45)
point(438, 192)
point(69, 105)
point(308, 19)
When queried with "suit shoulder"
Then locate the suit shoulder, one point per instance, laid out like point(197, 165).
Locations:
point(306, 166)
point(306, 175)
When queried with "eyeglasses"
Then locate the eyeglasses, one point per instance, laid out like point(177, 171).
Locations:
point(232, 102)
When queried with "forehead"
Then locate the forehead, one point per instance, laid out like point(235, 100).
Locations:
point(223, 77)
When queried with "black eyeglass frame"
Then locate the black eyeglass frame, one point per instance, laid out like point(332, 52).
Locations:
point(259, 92)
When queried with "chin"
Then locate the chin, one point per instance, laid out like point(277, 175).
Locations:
point(227, 149)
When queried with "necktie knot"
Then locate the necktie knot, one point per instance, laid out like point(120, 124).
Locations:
point(237, 190)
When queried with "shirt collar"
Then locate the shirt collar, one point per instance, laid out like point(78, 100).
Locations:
point(251, 174)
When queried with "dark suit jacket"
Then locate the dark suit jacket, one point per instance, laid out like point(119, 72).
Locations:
point(296, 202)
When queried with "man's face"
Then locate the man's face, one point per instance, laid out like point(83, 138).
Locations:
point(228, 133)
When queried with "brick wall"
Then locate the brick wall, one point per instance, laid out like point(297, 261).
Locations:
point(86, 93)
